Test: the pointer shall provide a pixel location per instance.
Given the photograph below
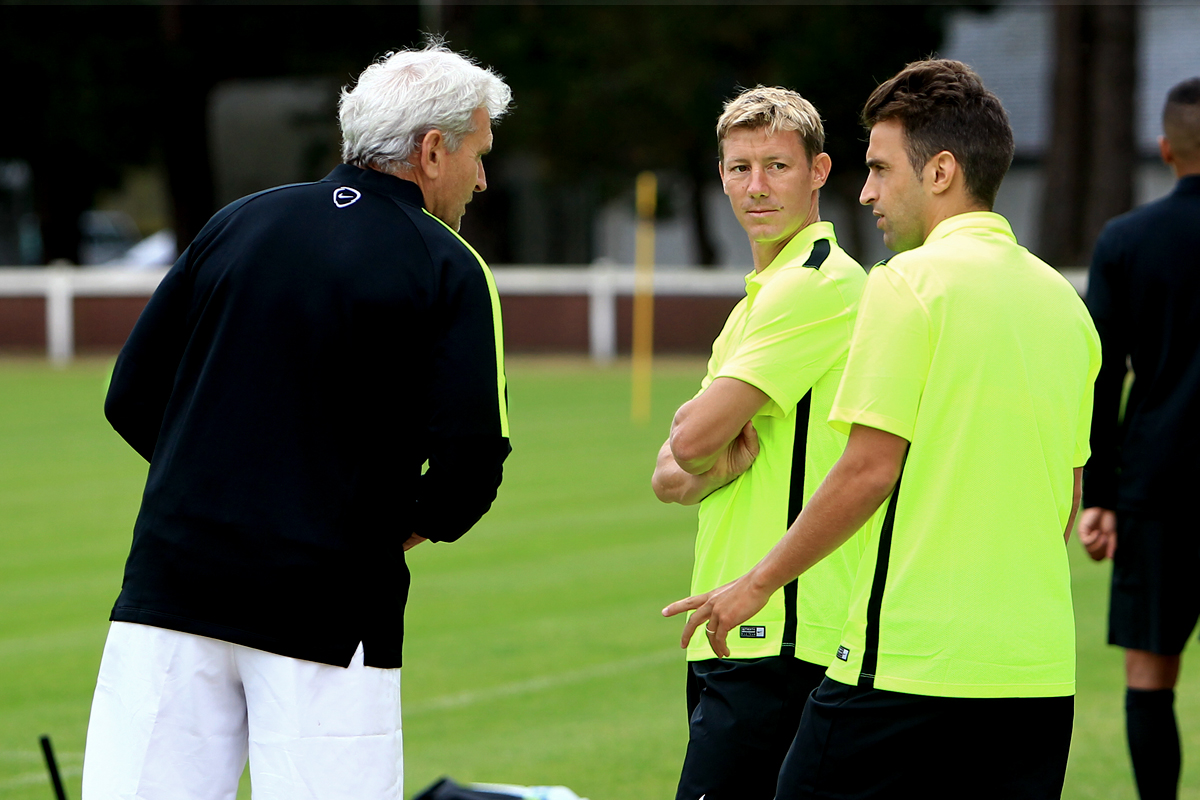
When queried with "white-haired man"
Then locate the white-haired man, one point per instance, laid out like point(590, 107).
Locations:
point(752, 446)
point(308, 353)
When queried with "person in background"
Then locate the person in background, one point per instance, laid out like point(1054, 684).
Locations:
point(1144, 294)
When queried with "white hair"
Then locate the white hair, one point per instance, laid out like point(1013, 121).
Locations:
point(406, 94)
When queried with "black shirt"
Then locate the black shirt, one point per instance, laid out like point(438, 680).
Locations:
point(1144, 294)
point(305, 357)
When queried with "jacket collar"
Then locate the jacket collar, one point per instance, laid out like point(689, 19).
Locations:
point(1188, 184)
point(378, 182)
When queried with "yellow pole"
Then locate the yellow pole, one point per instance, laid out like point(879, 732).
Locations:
point(643, 297)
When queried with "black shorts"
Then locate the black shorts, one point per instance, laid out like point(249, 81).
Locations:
point(1155, 602)
point(743, 715)
point(868, 743)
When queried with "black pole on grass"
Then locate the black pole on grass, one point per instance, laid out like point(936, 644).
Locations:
point(52, 765)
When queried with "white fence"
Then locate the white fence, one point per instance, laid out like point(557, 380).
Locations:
point(602, 285)
point(61, 285)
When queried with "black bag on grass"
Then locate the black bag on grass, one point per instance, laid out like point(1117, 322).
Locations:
point(446, 789)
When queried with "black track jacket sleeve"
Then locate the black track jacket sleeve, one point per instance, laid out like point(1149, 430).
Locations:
point(467, 417)
point(145, 371)
point(1107, 292)
point(1144, 295)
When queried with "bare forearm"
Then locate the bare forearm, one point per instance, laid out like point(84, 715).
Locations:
point(704, 427)
point(691, 453)
point(673, 485)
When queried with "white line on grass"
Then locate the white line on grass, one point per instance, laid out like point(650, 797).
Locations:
point(457, 700)
point(30, 778)
point(539, 684)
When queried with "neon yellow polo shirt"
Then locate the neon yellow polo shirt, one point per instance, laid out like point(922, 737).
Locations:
point(789, 338)
point(983, 358)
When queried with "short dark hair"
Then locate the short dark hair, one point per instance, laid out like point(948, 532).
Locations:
point(1181, 118)
point(943, 105)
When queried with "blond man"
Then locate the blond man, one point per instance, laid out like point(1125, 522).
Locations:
point(753, 445)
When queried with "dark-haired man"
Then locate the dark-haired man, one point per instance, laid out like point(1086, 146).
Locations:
point(967, 397)
point(1144, 294)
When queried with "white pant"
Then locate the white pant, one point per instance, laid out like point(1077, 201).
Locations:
point(175, 715)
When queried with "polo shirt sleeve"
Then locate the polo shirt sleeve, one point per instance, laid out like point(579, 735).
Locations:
point(889, 359)
point(796, 329)
point(1085, 425)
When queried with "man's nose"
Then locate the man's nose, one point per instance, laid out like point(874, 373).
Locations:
point(758, 183)
point(480, 180)
point(868, 195)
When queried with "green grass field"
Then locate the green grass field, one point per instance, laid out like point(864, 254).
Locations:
point(535, 653)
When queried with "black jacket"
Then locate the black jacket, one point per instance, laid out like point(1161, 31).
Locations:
point(308, 353)
point(1144, 294)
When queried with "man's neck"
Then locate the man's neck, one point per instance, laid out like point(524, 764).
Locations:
point(763, 253)
point(950, 210)
point(397, 172)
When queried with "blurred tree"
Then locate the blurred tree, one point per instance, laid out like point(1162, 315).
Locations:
point(91, 90)
point(74, 113)
point(1092, 152)
point(602, 92)
point(606, 91)
point(203, 46)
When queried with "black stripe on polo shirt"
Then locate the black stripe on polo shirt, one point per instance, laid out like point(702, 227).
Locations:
point(795, 505)
point(879, 263)
point(820, 252)
point(866, 678)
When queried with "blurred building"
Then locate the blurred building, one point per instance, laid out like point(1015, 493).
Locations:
point(271, 131)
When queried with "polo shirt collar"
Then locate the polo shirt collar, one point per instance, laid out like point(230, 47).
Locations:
point(974, 220)
point(377, 182)
point(800, 244)
point(1188, 184)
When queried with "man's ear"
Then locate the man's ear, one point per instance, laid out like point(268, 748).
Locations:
point(821, 164)
point(431, 153)
point(1164, 150)
point(942, 169)
point(721, 175)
